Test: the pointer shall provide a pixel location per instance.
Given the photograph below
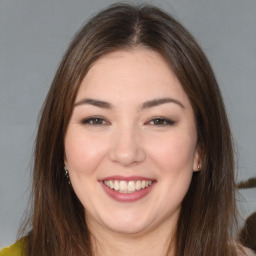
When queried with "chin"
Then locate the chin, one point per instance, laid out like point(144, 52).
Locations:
point(128, 229)
point(127, 225)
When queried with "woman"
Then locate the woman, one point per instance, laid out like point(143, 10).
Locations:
point(133, 154)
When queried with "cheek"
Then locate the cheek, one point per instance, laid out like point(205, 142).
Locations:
point(83, 153)
point(174, 160)
point(174, 154)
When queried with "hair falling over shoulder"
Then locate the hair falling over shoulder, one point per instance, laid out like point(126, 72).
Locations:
point(208, 214)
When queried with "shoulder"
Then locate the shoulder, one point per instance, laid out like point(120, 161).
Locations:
point(16, 249)
point(244, 252)
point(248, 252)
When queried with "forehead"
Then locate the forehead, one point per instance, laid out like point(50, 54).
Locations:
point(138, 73)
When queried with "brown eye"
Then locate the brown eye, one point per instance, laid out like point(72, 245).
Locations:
point(95, 121)
point(161, 121)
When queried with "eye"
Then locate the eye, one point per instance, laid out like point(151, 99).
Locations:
point(160, 121)
point(95, 120)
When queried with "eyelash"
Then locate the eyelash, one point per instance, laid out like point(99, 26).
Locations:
point(94, 121)
point(161, 121)
point(99, 121)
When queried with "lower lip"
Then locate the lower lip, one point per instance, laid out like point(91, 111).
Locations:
point(127, 197)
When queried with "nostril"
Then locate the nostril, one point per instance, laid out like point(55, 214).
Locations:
point(127, 156)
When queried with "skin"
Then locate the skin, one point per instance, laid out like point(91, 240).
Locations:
point(127, 140)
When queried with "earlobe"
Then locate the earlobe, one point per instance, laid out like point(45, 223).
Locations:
point(65, 162)
point(197, 161)
point(198, 168)
point(65, 159)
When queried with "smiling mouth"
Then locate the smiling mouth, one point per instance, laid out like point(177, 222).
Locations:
point(131, 186)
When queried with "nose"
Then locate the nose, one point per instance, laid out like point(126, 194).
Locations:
point(127, 148)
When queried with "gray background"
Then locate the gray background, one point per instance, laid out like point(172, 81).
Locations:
point(33, 37)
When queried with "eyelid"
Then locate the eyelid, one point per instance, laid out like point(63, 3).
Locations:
point(100, 121)
point(167, 121)
point(87, 120)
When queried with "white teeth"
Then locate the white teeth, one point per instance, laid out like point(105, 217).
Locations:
point(127, 187)
point(138, 185)
point(131, 186)
point(123, 186)
point(116, 185)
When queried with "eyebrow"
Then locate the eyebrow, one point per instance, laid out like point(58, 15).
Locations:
point(145, 105)
point(160, 101)
point(94, 102)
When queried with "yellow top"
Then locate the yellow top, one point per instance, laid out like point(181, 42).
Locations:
point(17, 250)
point(13, 250)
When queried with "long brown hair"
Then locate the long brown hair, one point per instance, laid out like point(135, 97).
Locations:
point(207, 217)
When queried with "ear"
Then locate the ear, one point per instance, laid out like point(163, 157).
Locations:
point(197, 165)
point(65, 160)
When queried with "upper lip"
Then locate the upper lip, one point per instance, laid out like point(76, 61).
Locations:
point(126, 178)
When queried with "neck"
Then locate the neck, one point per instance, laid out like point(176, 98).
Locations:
point(147, 243)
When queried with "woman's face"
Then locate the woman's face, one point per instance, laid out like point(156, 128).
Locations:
point(131, 144)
